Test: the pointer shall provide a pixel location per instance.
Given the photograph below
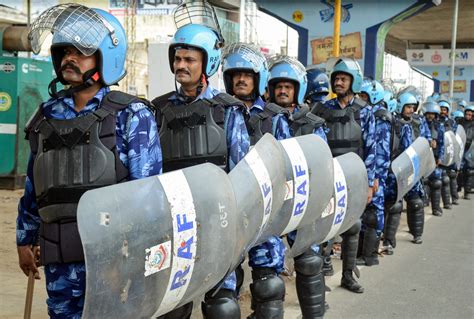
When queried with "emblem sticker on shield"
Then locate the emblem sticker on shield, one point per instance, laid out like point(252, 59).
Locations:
point(157, 258)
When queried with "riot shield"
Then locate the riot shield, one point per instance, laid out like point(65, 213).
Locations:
point(309, 177)
point(153, 244)
point(409, 167)
point(259, 186)
point(461, 141)
point(347, 204)
point(451, 146)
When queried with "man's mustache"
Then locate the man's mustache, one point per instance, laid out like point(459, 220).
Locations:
point(283, 94)
point(182, 71)
point(241, 84)
point(71, 66)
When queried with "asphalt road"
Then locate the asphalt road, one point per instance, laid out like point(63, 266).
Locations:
point(431, 280)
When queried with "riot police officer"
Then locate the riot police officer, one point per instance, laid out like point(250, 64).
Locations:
point(196, 107)
point(245, 72)
point(351, 128)
point(373, 218)
point(287, 86)
point(468, 159)
point(449, 190)
point(318, 86)
point(75, 131)
point(431, 112)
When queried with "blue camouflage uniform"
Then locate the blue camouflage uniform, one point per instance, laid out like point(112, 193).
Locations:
point(238, 144)
point(139, 150)
point(270, 254)
point(438, 151)
point(382, 164)
point(367, 123)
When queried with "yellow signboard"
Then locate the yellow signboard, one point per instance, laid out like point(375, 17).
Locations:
point(298, 16)
point(350, 46)
point(459, 86)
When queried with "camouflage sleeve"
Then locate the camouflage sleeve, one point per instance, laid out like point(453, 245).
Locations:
point(440, 141)
point(28, 220)
point(238, 140)
point(368, 136)
point(280, 127)
point(382, 156)
point(425, 130)
point(321, 133)
point(138, 141)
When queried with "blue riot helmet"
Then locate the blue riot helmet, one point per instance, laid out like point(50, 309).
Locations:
point(457, 114)
point(414, 91)
point(390, 101)
point(284, 68)
point(247, 58)
point(469, 108)
point(462, 104)
point(318, 85)
point(431, 107)
point(89, 30)
point(374, 90)
point(197, 28)
point(405, 99)
point(444, 103)
point(351, 67)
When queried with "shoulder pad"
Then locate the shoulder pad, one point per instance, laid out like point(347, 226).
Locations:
point(384, 115)
point(302, 110)
point(317, 107)
point(225, 100)
point(161, 101)
point(359, 103)
point(117, 100)
point(34, 120)
point(276, 109)
point(316, 120)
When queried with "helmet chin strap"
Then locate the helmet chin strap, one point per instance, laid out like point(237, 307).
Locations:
point(89, 78)
point(188, 99)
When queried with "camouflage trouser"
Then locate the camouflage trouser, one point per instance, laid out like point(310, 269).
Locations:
point(378, 200)
point(66, 285)
point(270, 254)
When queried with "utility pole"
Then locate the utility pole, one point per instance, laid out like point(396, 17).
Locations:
point(453, 48)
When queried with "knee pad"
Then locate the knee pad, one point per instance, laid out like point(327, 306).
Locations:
point(435, 184)
point(354, 229)
point(222, 305)
point(445, 180)
point(415, 203)
point(309, 264)
point(268, 288)
point(396, 208)
point(470, 172)
point(452, 173)
point(369, 217)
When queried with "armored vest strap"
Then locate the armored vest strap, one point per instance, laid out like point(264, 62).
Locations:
point(384, 115)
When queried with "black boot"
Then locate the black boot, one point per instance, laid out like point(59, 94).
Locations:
point(435, 187)
point(268, 294)
point(328, 269)
point(350, 240)
point(415, 218)
point(310, 287)
point(369, 257)
point(348, 282)
point(445, 190)
point(393, 214)
point(453, 185)
point(426, 198)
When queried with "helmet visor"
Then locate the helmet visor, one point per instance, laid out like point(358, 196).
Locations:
point(78, 25)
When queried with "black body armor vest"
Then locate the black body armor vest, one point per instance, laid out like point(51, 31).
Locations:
point(259, 124)
point(345, 131)
point(469, 129)
point(72, 157)
point(304, 121)
point(193, 134)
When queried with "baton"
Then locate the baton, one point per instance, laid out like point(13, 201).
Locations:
point(29, 295)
